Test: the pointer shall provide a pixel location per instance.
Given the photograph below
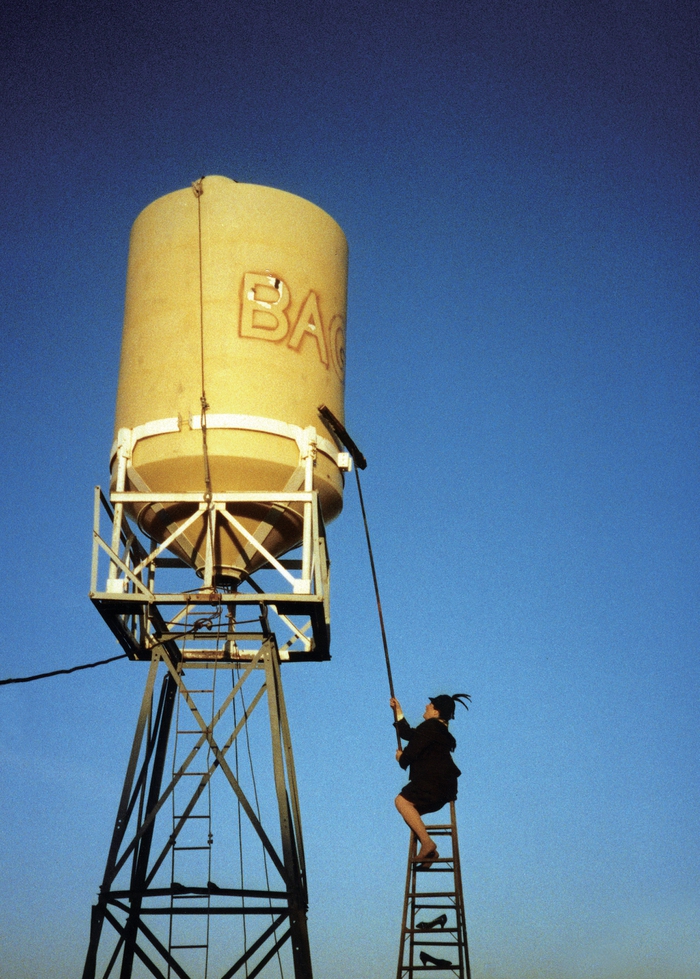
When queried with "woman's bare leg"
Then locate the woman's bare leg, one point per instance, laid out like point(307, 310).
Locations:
point(413, 820)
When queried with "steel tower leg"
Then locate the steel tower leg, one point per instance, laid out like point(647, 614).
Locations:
point(134, 853)
point(142, 852)
point(156, 738)
point(289, 814)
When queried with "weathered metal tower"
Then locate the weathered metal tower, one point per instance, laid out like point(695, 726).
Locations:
point(186, 635)
point(210, 563)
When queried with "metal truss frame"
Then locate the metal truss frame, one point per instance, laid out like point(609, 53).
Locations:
point(138, 590)
point(143, 614)
point(127, 909)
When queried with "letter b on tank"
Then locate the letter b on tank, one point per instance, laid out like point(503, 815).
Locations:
point(264, 301)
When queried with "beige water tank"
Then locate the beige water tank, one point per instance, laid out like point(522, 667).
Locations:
point(240, 291)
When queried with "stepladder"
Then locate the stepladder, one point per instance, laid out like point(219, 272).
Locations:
point(434, 930)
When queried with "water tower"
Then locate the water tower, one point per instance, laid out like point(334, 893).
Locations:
point(210, 565)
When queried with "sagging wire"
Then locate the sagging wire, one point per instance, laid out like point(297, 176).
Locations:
point(73, 669)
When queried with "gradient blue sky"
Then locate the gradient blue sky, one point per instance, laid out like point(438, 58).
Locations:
point(518, 182)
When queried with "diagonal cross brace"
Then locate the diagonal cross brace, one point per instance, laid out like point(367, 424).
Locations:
point(219, 756)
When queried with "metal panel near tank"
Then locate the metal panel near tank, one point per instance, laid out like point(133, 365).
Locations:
point(237, 292)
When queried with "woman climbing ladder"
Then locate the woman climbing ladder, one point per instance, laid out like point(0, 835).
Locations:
point(433, 774)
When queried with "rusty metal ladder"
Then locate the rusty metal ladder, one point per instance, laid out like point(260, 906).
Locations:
point(434, 930)
point(191, 852)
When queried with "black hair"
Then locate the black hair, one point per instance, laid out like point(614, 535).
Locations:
point(444, 704)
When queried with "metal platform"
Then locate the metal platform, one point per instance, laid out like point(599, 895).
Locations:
point(144, 596)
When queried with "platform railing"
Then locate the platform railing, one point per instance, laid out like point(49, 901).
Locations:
point(128, 588)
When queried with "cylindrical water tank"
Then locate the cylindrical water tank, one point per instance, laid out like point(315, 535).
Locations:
point(238, 291)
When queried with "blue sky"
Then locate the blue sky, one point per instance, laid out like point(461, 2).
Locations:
point(518, 183)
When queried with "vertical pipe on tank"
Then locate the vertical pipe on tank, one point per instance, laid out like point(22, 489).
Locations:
point(210, 525)
point(123, 451)
point(308, 488)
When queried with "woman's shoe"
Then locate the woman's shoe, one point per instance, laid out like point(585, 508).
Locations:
point(443, 963)
point(438, 922)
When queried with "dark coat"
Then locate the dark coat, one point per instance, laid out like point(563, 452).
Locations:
point(428, 755)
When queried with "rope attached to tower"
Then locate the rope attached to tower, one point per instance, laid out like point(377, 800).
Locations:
point(198, 190)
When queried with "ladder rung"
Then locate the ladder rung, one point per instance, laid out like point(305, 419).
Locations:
point(431, 968)
point(408, 970)
point(435, 907)
point(190, 946)
point(202, 816)
point(449, 939)
point(427, 932)
point(432, 860)
point(190, 848)
point(435, 944)
point(415, 894)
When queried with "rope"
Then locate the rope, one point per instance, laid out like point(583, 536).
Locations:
point(73, 669)
point(198, 190)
